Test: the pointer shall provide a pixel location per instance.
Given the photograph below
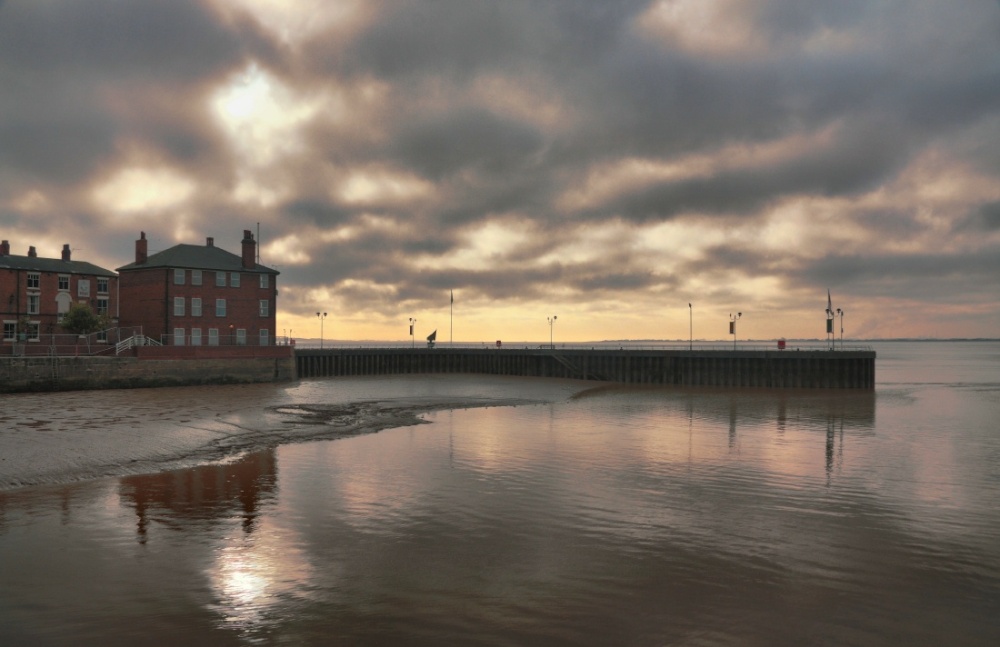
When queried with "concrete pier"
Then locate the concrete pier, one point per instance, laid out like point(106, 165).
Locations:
point(807, 369)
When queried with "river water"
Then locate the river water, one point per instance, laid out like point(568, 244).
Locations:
point(504, 511)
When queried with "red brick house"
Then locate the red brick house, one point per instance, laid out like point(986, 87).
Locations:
point(35, 292)
point(200, 295)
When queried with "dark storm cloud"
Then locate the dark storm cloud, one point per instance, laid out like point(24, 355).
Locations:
point(78, 76)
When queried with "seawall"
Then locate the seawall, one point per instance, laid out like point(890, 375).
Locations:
point(20, 374)
point(809, 369)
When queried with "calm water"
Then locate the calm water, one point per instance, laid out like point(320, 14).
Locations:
point(592, 516)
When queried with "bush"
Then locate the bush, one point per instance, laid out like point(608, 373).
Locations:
point(81, 320)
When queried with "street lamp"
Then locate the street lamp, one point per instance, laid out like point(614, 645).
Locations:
point(691, 328)
point(840, 313)
point(322, 317)
point(413, 325)
point(732, 326)
point(551, 321)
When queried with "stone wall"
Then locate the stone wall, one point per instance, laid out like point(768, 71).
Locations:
point(18, 374)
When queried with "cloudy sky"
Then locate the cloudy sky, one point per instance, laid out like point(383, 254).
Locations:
point(604, 162)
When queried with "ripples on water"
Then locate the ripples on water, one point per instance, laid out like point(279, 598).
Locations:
point(607, 516)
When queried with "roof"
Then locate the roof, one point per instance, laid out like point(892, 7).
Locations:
point(55, 265)
point(198, 257)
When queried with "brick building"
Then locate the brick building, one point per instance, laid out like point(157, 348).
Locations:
point(200, 295)
point(35, 292)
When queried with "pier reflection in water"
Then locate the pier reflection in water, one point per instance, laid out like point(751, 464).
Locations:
point(623, 515)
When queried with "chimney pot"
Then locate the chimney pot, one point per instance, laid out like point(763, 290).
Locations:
point(210, 242)
point(32, 253)
point(5, 248)
point(67, 253)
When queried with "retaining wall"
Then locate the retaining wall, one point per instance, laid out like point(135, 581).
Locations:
point(125, 372)
point(751, 368)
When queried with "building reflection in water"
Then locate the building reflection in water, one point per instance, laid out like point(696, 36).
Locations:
point(206, 493)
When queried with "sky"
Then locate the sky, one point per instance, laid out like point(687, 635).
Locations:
point(605, 163)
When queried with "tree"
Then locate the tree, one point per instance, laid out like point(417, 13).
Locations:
point(81, 320)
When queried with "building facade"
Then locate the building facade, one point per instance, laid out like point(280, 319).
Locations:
point(200, 295)
point(36, 292)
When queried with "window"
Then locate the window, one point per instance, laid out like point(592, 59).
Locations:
point(178, 306)
point(263, 280)
point(195, 306)
point(178, 336)
point(102, 305)
point(234, 280)
point(9, 330)
point(64, 282)
point(241, 336)
point(178, 277)
point(102, 336)
point(196, 336)
point(264, 307)
point(220, 307)
point(195, 277)
point(213, 336)
point(220, 279)
point(33, 279)
point(83, 288)
point(32, 330)
point(265, 339)
point(33, 300)
point(102, 286)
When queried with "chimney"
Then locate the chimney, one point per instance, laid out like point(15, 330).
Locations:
point(5, 248)
point(32, 253)
point(141, 249)
point(66, 252)
point(249, 250)
point(209, 242)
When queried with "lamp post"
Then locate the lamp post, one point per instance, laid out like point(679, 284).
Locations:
point(551, 321)
point(690, 328)
point(840, 313)
point(322, 317)
point(732, 326)
point(413, 325)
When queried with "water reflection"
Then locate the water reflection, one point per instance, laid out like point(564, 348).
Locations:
point(209, 492)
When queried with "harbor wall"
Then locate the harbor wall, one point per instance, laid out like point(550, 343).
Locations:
point(810, 369)
point(21, 374)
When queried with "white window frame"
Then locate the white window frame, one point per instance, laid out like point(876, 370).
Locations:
point(178, 276)
point(196, 336)
point(265, 308)
point(195, 277)
point(34, 280)
point(9, 330)
point(241, 336)
point(103, 305)
point(34, 304)
point(178, 306)
point(220, 307)
point(102, 285)
point(234, 279)
point(265, 337)
point(195, 306)
point(34, 330)
point(178, 336)
point(63, 281)
point(263, 281)
point(213, 336)
point(220, 279)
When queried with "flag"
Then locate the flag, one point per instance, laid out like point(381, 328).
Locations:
point(829, 303)
point(433, 336)
point(411, 330)
point(453, 296)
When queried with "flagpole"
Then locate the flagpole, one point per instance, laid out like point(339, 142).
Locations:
point(451, 320)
